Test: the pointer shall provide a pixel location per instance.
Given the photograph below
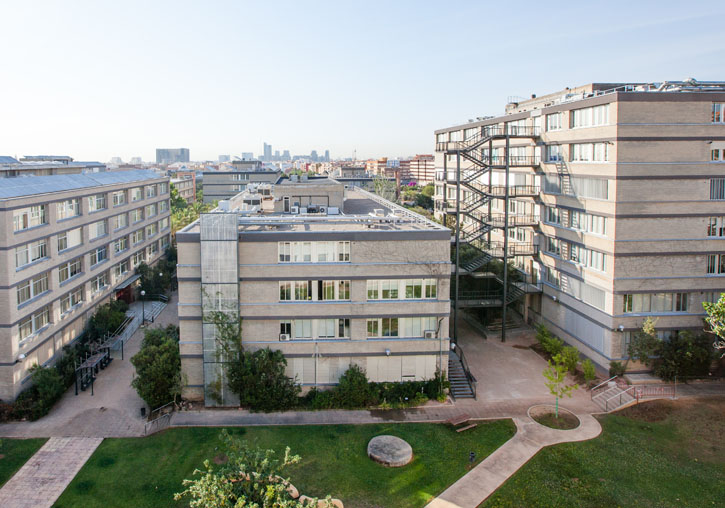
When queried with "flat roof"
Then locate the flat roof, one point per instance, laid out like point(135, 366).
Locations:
point(20, 186)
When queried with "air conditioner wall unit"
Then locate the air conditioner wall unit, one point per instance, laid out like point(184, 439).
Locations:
point(295, 209)
point(322, 209)
point(429, 334)
point(284, 337)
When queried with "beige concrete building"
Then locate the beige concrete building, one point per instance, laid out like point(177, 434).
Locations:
point(419, 169)
point(220, 185)
point(67, 244)
point(328, 275)
point(46, 165)
point(629, 201)
point(186, 188)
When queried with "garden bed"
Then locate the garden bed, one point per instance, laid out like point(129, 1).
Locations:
point(544, 415)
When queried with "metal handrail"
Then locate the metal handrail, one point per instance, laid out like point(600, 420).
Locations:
point(466, 370)
point(606, 403)
point(602, 384)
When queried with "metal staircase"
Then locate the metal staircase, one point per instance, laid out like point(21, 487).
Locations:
point(474, 219)
point(463, 384)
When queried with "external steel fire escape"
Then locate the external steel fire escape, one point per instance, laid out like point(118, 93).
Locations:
point(474, 217)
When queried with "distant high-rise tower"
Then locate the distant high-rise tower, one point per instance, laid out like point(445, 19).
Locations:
point(327, 155)
point(313, 156)
point(267, 152)
point(276, 155)
point(171, 155)
point(286, 156)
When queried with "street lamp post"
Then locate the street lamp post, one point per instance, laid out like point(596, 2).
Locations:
point(143, 307)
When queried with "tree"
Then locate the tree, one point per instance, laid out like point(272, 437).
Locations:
point(250, 478)
point(177, 202)
point(555, 374)
point(644, 344)
point(716, 320)
point(158, 367)
point(385, 187)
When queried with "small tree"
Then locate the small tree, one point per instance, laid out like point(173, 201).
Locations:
point(570, 357)
point(555, 374)
point(716, 320)
point(251, 478)
point(590, 373)
point(158, 367)
point(644, 344)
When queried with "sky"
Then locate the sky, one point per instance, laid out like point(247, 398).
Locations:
point(98, 79)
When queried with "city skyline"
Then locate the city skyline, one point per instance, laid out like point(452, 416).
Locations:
point(166, 76)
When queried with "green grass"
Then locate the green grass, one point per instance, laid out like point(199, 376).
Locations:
point(146, 472)
point(658, 454)
point(15, 453)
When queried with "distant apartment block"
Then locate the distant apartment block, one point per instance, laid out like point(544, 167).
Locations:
point(419, 169)
point(67, 244)
point(185, 185)
point(616, 205)
point(45, 165)
point(171, 155)
point(220, 185)
point(328, 275)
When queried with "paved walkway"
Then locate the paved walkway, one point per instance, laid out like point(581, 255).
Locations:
point(45, 476)
point(473, 488)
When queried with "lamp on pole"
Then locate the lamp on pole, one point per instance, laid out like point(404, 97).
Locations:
point(143, 307)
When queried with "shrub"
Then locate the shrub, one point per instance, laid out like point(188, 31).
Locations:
point(686, 354)
point(37, 401)
point(158, 367)
point(260, 380)
point(549, 343)
point(318, 399)
point(590, 373)
point(616, 369)
point(353, 389)
point(570, 358)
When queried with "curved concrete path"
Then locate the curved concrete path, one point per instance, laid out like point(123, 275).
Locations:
point(473, 488)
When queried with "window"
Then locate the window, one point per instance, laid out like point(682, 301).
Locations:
point(716, 226)
point(285, 327)
point(165, 241)
point(716, 264)
point(717, 155)
point(343, 289)
point(431, 288)
point(150, 191)
point(97, 202)
point(553, 246)
point(718, 112)
point(389, 289)
point(136, 215)
point(69, 269)
point(554, 121)
point(32, 288)
point(120, 221)
point(34, 323)
point(163, 188)
point(717, 188)
point(136, 194)
point(554, 153)
point(122, 269)
point(413, 289)
point(163, 206)
point(303, 290)
point(313, 252)
point(164, 223)
point(150, 230)
point(373, 329)
point(99, 255)
point(586, 222)
point(69, 208)
point(596, 188)
point(137, 237)
point(589, 117)
point(139, 258)
point(590, 152)
point(390, 327)
point(70, 239)
point(302, 329)
point(655, 302)
point(71, 300)
point(98, 229)
point(30, 252)
point(152, 250)
point(119, 198)
point(552, 215)
point(373, 290)
point(30, 217)
point(150, 210)
point(285, 291)
point(99, 283)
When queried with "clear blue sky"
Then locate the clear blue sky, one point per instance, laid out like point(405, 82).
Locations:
point(96, 79)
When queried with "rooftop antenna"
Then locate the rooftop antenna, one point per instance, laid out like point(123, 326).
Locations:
point(354, 154)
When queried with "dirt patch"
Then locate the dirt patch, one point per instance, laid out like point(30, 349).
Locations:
point(544, 415)
point(651, 411)
point(221, 459)
point(519, 346)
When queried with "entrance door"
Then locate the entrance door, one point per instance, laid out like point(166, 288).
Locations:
point(285, 200)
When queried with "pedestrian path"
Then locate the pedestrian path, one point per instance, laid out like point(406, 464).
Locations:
point(45, 476)
point(473, 488)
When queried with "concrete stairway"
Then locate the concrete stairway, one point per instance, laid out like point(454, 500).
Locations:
point(460, 386)
point(614, 396)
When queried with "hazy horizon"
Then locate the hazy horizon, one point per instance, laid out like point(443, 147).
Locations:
point(95, 80)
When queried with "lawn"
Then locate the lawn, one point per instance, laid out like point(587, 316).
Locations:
point(145, 472)
point(659, 453)
point(14, 453)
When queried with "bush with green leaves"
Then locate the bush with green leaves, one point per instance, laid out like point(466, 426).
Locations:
point(353, 389)
point(570, 357)
point(616, 369)
point(38, 400)
point(685, 354)
point(105, 320)
point(549, 343)
point(590, 372)
point(260, 380)
point(158, 367)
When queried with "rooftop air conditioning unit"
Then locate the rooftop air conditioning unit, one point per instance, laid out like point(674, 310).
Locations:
point(322, 209)
point(429, 334)
point(284, 337)
point(379, 212)
point(333, 210)
point(294, 209)
point(303, 209)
